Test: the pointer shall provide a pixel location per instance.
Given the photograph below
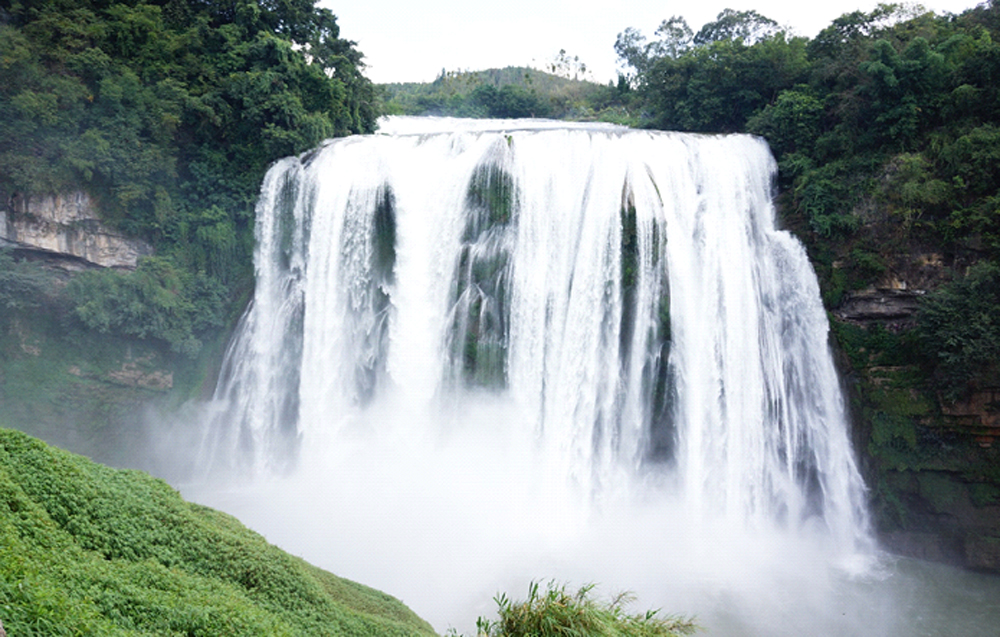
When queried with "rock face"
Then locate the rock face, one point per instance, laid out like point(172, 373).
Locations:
point(68, 224)
point(978, 414)
point(932, 461)
point(879, 305)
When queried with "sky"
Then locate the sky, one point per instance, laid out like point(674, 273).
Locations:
point(408, 41)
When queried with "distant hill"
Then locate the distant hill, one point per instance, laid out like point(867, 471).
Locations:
point(514, 91)
point(90, 550)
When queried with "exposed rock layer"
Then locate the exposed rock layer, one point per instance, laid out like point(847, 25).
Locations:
point(68, 224)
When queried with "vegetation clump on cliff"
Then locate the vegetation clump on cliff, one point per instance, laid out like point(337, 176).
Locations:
point(86, 549)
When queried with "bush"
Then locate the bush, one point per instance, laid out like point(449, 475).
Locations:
point(158, 301)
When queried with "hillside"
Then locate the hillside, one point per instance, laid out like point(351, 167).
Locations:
point(509, 92)
point(86, 549)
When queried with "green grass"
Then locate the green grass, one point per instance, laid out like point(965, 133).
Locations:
point(90, 550)
point(558, 613)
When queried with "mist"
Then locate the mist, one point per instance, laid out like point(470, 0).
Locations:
point(447, 508)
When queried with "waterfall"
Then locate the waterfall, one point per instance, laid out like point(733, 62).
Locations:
point(625, 295)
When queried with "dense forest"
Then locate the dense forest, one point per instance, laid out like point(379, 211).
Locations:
point(168, 112)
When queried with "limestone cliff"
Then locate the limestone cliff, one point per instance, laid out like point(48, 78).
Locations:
point(68, 224)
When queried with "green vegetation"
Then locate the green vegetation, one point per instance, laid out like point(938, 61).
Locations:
point(158, 300)
point(556, 612)
point(960, 325)
point(85, 549)
point(168, 112)
point(511, 92)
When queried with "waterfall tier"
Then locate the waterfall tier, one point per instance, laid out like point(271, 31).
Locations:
point(625, 294)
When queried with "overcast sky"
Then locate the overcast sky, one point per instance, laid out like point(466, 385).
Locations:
point(413, 40)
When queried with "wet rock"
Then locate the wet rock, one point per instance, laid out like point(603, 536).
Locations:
point(879, 305)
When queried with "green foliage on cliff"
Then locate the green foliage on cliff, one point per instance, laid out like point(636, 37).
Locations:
point(158, 300)
point(169, 111)
point(960, 325)
point(85, 549)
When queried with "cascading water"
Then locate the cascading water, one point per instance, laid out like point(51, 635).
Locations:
point(617, 303)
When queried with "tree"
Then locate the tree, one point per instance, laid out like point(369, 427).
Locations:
point(717, 87)
point(635, 53)
point(569, 67)
point(675, 38)
point(749, 27)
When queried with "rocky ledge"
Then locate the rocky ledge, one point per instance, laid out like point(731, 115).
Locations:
point(879, 305)
point(67, 224)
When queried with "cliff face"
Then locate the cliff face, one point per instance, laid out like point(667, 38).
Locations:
point(932, 462)
point(68, 224)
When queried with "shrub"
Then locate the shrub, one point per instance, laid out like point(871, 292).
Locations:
point(158, 301)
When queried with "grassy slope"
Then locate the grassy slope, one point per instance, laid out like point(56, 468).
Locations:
point(86, 549)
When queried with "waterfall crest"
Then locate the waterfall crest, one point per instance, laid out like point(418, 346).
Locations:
point(625, 293)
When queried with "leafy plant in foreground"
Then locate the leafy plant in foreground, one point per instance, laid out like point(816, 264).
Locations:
point(558, 612)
